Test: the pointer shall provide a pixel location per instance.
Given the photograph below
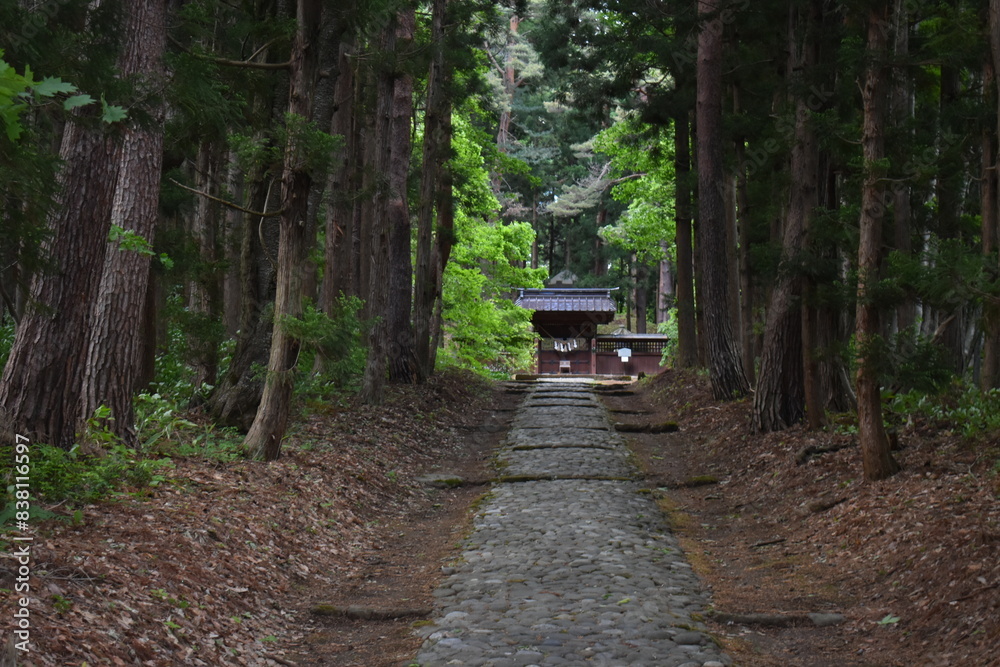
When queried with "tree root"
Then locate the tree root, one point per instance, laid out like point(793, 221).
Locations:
point(359, 613)
point(819, 620)
point(665, 427)
point(810, 451)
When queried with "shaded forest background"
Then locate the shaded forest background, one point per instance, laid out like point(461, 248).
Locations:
point(244, 208)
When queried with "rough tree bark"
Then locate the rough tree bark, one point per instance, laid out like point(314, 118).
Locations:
point(235, 400)
point(902, 112)
point(687, 343)
point(41, 390)
point(437, 144)
point(113, 360)
point(263, 441)
point(779, 398)
point(380, 147)
point(725, 366)
point(990, 376)
point(402, 361)
point(340, 211)
point(205, 291)
point(877, 459)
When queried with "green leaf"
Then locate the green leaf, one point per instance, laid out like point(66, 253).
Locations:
point(11, 117)
point(77, 101)
point(112, 113)
point(889, 620)
point(51, 86)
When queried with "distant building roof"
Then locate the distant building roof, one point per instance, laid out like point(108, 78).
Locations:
point(568, 312)
point(582, 300)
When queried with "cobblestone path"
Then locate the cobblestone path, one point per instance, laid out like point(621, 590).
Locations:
point(568, 563)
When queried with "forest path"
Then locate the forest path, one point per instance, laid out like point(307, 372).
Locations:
point(568, 561)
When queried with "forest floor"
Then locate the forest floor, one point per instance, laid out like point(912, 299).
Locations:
point(242, 563)
point(302, 561)
point(779, 529)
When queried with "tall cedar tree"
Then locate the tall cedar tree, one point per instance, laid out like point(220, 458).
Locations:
point(687, 340)
point(54, 374)
point(433, 180)
point(402, 360)
point(877, 459)
point(380, 151)
point(263, 441)
point(725, 366)
point(991, 200)
point(113, 359)
point(778, 399)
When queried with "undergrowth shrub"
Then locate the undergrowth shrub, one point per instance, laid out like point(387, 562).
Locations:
point(669, 327)
point(332, 355)
point(164, 429)
point(961, 407)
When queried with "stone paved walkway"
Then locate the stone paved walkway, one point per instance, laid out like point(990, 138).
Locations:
point(568, 564)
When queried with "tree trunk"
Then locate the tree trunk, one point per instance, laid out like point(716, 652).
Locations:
point(990, 374)
point(41, 390)
point(948, 186)
point(687, 343)
point(445, 237)
point(780, 397)
point(380, 147)
point(665, 286)
point(263, 441)
point(434, 155)
point(745, 282)
point(340, 210)
point(902, 115)
point(641, 295)
point(204, 291)
point(877, 459)
point(725, 367)
point(233, 232)
point(112, 365)
point(402, 359)
point(235, 400)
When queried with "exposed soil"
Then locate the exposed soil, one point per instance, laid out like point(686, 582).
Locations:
point(911, 562)
point(230, 562)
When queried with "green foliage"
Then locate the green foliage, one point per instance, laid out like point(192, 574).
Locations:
point(313, 148)
point(191, 337)
point(669, 327)
point(332, 345)
point(128, 240)
point(960, 407)
point(254, 152)
point(18, 92)
point(484, 330)
point(70, 475)
point(642, 159)
point(946, 274)
point(165, 428)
